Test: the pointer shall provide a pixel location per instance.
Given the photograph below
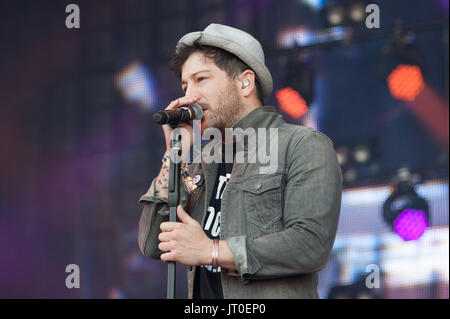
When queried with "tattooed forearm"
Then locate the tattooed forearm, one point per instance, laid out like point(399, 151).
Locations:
point(162, 183)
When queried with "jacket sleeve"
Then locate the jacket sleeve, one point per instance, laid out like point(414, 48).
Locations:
point(155, 211)
point(312, 198)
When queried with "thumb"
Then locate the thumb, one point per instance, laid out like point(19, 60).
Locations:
point(183, 216)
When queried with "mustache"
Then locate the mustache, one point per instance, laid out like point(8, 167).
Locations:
point(204, 106)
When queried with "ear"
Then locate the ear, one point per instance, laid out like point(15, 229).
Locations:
point(247, 82)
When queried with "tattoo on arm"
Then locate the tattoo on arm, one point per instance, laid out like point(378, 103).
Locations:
point(162, 183)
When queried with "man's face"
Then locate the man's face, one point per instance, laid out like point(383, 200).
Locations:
point(218, 94)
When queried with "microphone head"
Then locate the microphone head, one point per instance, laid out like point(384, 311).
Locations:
point(160, 117)
point(198, 112)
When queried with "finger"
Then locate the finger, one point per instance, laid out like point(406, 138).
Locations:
point(184, 217)
point(166, 246)
point(178, 103)
point(170, 256)
point(182, 101)
point(172, 104)
point(165, 236)
point(169, 226)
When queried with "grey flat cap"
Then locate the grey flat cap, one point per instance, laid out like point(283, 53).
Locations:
point(237, 42)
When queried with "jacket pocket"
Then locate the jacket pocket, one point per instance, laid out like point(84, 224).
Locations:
point(262, 195)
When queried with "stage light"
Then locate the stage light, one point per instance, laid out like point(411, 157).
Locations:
point(336, 16)
point(359, 160)
point(137, 85)
point(342, 154)
point(350, 175)
point(406, 82)
point(344, 13)
point(361, 154)
point(301, 36)
point(410, 224)
point(402, 66)
point(313, 4)
point(357, 12)
point(405, 211)
point(291, 103)
point(297, 91)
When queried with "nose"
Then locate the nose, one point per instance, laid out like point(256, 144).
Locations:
point(191, 91)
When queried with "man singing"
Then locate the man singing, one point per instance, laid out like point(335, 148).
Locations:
point(244, 232)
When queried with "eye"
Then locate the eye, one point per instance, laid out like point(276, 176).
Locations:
point(200, 79)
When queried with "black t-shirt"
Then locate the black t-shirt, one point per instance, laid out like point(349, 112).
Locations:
point(207, 283)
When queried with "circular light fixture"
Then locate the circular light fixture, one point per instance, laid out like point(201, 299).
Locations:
point(336, 16)
point(410, 224)
point(406, 212)
point(357, 12)
point(361, 154)
point(406, 82)
point(342, 154)
point(402, 66)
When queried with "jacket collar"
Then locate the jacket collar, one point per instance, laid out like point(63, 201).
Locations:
point(262, 116)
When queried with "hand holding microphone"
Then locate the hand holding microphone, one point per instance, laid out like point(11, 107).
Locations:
point(179, 112)
point(180, 115)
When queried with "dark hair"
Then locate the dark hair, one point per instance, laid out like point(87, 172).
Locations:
point(224, 60)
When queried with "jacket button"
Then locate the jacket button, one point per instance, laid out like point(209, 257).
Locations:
point(258, 186)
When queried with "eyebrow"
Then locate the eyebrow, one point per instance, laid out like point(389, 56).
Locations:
point(194, 74)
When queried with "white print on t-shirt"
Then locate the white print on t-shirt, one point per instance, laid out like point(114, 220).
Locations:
point(212, 224)
point(215, 230)
point(223, 180)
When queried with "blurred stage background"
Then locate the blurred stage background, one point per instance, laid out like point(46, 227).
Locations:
point(78, 146)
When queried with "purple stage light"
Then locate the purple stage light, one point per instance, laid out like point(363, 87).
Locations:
point(411, 224)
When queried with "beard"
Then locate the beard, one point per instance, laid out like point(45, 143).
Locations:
point(227, 111)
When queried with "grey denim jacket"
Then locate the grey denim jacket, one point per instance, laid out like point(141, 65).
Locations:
point(280, 226)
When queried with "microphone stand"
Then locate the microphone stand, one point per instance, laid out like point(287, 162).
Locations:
point(174, 200)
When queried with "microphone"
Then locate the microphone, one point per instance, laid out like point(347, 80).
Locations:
point(179, 115)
